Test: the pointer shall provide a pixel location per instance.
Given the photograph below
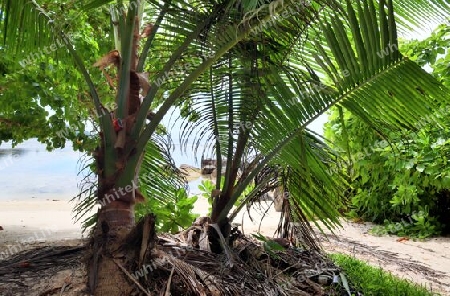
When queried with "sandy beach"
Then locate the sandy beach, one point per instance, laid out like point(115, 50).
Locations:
point(28, 223)
point(424, 262)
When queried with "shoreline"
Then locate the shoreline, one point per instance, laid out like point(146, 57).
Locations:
point(23, 219)
point(34, 223)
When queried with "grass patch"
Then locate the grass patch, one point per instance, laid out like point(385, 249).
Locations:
point(374, 281)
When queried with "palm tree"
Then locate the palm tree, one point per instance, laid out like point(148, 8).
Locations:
point(256, 74)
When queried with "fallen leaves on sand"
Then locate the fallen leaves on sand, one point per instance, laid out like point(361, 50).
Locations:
point(403, 239)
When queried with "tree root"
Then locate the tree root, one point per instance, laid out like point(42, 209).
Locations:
point(167, 265)
point(179, 268)
point(131, 277)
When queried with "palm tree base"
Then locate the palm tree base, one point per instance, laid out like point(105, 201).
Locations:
point(186, 264)
point(138, 262)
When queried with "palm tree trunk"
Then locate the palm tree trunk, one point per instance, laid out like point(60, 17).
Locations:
point(115, 220)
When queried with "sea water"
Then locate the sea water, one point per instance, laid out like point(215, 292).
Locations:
point(29, 171)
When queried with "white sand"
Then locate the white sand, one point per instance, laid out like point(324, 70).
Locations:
point(266, 226)
point(34, 221)
point(26, 222)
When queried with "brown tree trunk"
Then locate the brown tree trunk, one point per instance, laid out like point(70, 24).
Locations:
point(115, 220)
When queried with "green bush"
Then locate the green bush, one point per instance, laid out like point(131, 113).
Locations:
point(171, 216)
point(402, 183)
point(207, 186)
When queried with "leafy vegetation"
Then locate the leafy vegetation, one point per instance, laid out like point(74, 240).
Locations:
point(171, 217)
point(207, 186)
point(269, 246)
point(401, 179)
point(373, 281)
point(248, 79)
point(42, 94)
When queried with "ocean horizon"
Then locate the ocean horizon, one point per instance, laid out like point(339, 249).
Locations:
point(29, 171)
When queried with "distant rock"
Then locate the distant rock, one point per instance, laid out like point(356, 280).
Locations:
point(1, 228)
point(208, 165)
point(190, 172)
point(186, 167)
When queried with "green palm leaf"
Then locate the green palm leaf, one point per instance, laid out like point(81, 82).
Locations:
point(276, 67)
point(350, 54)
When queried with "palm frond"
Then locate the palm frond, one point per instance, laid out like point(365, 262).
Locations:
point(25, 28)
point(375, 81)
point(412, 15)
point(86, 200)
point(228, 36)
point(159, 178)
point(159, 174)
point(348, 56)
